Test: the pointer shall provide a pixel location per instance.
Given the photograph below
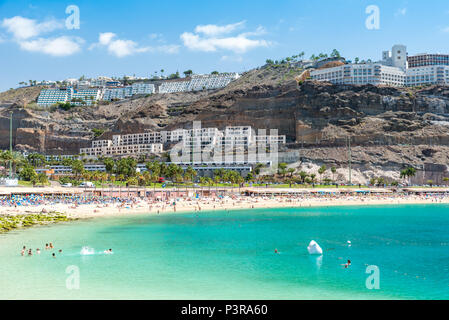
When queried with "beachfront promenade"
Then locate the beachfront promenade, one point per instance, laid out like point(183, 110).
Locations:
point(94, 202)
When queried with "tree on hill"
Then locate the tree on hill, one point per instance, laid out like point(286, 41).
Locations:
point(335, 54)
point(174, 75)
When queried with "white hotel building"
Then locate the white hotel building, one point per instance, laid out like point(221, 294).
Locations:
point(393, 71)
point(232, 138)
point(199, 82)
point(48, 97)
point(121, 93)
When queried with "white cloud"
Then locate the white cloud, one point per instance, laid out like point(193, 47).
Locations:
point(214, 30)
point(58, 47)
point(170, 49)
point(105, 38)
point(118, 47)
point(232, 58)
point(122, 48)
point(25, 33)
point(24, 28)
point(211, 41)
point(401, 12)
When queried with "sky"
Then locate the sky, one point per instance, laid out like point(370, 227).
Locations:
point(42, 40)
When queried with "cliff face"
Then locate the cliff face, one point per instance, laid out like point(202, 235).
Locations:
point(316, 118)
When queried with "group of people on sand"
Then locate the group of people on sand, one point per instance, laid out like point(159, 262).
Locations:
point(29, 252)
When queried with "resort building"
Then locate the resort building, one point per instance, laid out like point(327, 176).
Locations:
point(121, 93)
point(424, 59)
point(199, 82)
point(142, 88)
point(395, 69)
point(230, 139)
point(48, 97)
point(123, 150)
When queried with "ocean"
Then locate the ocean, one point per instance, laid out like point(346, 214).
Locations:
point(231, 255)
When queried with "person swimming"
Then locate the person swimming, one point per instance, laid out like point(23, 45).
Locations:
point(108, 251)
point(51, 245)
point(347, 264)
point(46, 246)
point(30, 252)
point(23, 251)
point(276, 251)
point(53, 255)
point(38, 251)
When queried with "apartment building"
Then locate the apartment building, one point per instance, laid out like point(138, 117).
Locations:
point(123, 150)
point(48, 97)
point(199, 82)
point(142, 88)
point(232, 138)
point(395, 69)
point(424, 59)
point(427, 75)
point(117, 93)
point(120, 93)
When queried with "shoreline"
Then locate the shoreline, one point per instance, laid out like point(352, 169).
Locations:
point(140, 207)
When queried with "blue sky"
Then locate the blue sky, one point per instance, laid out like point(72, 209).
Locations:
point(140, 37)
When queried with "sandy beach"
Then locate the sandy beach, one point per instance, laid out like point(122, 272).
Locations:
point(138, 205)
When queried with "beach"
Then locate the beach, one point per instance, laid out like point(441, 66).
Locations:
point(95, 206)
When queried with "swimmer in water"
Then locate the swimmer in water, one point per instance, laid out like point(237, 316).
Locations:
point(38, 251)
point(46, 246)
point(51, 245)
point(23, 251)
point(276, 251)
point(347, 264)
point(30, 253)
point(53, 255)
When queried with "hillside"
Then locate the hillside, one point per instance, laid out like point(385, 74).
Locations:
point(389, 127)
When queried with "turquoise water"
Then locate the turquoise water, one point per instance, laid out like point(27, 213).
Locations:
point(230, 255)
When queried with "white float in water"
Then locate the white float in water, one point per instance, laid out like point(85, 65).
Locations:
point(87, 251)
point(314, 248)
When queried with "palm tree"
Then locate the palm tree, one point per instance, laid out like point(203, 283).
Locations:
point(303, 175)
point(408, 173)
point(321, 171)
point(334, 170)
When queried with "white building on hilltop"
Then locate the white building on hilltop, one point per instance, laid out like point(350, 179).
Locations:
point(199, 82)
point(121, 93)
point(48, 97)
point(392, 70)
